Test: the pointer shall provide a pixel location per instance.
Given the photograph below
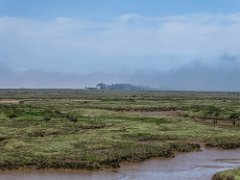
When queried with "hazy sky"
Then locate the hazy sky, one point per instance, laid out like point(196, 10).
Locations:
point(168, 44)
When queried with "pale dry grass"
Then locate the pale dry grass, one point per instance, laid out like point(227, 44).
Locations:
point(9, 101)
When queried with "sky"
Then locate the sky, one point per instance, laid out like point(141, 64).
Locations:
point(164, 44)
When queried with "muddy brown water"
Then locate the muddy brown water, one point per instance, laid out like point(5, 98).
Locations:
point(193, 166)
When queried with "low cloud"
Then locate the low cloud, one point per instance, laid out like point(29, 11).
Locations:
point(129, 42)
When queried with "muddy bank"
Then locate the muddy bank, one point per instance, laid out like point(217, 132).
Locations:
point(194, 165)
point(118, 154)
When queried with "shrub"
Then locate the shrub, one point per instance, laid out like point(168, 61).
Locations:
point(72, 118)
point(47, 118)
point(12, 115)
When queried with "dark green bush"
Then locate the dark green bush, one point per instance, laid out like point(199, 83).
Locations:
point(12, 115)
point(47, 118)
point(72, 118)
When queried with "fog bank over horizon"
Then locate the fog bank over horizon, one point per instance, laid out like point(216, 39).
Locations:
point(197, 76)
